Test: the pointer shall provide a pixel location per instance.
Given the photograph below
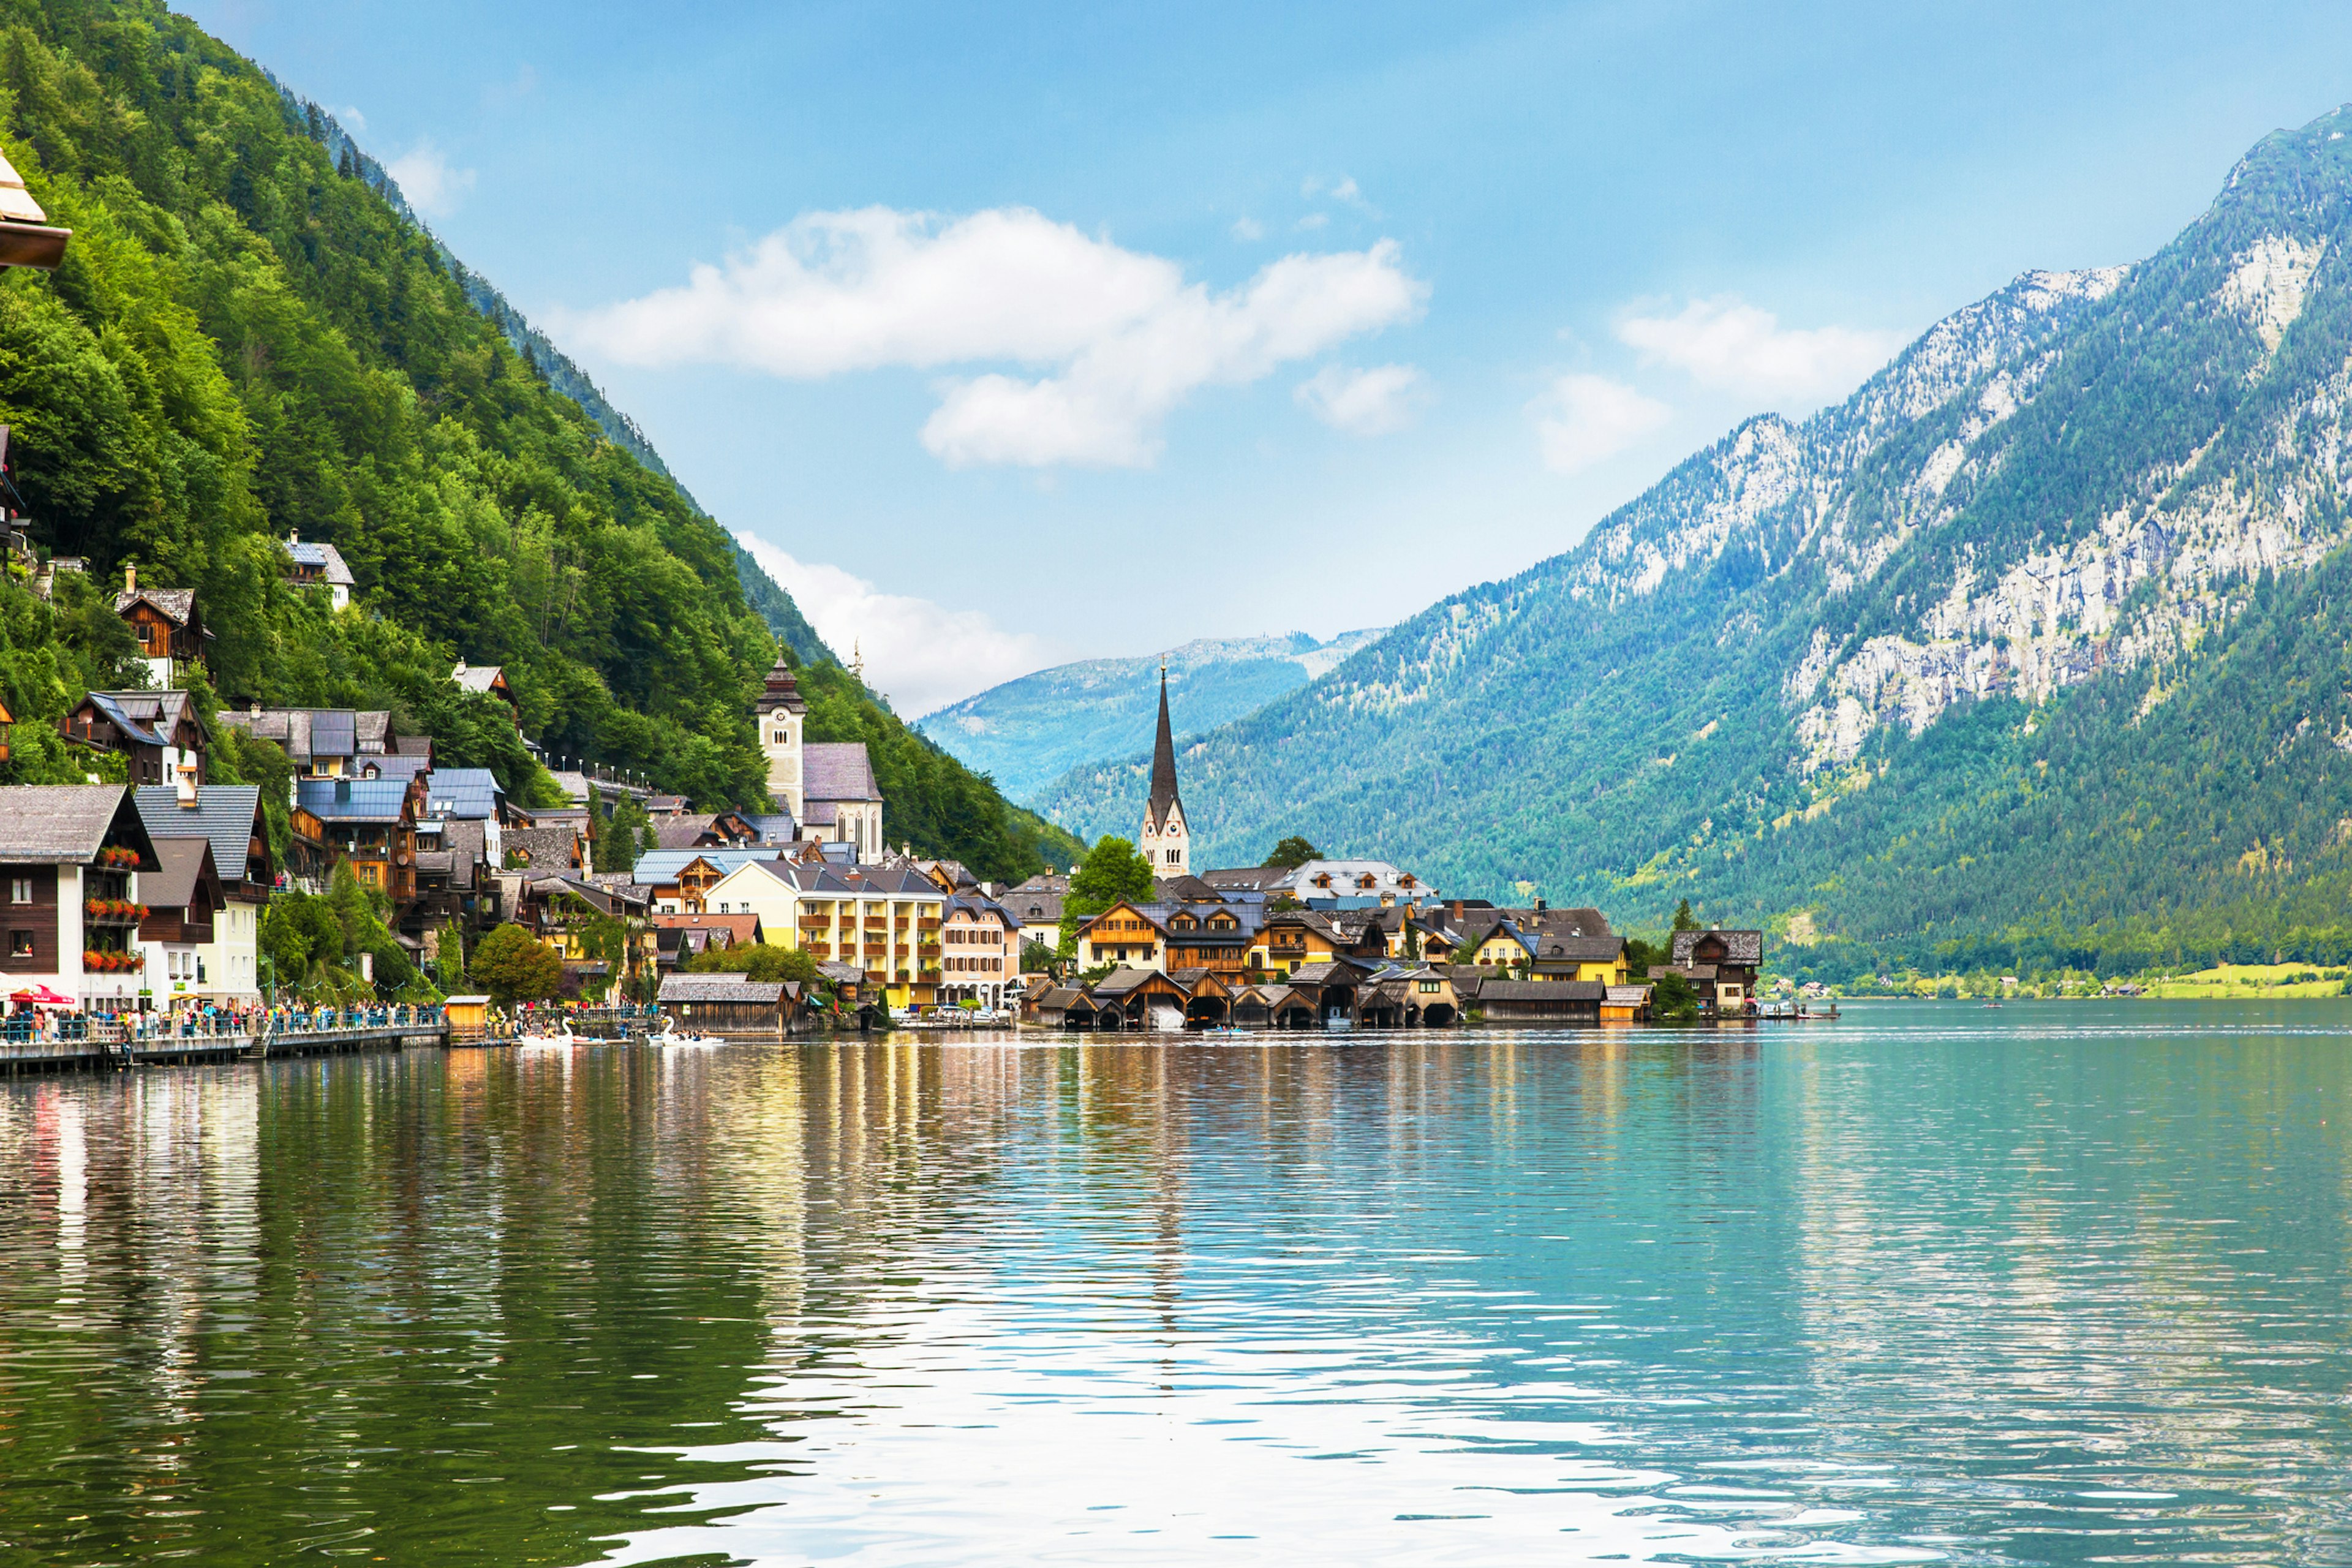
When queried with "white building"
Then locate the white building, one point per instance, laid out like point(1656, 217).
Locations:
point(227, 967)
point(70, 856)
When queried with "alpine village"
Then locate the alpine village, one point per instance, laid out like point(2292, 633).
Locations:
point(201, 857)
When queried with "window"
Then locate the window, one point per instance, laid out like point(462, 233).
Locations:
point(20, 889)
point(20, 945)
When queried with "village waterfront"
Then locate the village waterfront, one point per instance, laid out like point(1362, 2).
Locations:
point(2059, 1282)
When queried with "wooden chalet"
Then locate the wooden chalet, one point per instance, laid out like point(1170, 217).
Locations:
point(1138, 999)
point(1065, 1007)
point(489, 680)
point(1124, 934)
point(165, 621)
point(1271, 1006)
point(1721, 966)
point(369, 823)
point(729, 1004)
point(1542, 1001)
point(1625, 1005)
point(157, 733)
point(1214, 938)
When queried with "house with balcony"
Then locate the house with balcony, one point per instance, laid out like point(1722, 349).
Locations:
point(314, 565)
point(71, 861)
point(157, 733)
point(170, 633)
point(369, 824)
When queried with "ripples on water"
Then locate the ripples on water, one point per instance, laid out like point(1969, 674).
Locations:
point(2064, 1284)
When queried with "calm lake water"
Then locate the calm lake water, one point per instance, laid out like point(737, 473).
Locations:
point(2058, 1283)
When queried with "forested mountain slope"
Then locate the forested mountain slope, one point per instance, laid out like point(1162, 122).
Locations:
point(2033, 650)
point(248, 338)
point(1027, 733)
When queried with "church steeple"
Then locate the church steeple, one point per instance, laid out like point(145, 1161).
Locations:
point(1165, 840)
point(1164, 758)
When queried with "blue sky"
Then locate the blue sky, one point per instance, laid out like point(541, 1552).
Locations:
point(1031, 334)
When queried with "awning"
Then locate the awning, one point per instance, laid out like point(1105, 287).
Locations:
point(39, 996)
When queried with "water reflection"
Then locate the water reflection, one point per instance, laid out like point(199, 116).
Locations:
point(2047, 1285)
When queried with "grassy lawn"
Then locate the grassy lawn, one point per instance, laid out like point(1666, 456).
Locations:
point(2234, 980)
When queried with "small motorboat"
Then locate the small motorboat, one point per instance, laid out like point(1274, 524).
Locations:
point(670, 1036)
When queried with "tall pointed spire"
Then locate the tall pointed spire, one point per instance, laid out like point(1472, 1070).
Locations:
point(1164, 758)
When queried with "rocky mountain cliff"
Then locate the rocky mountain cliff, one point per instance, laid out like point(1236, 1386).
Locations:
point(2033, 640)
point(1028, 733)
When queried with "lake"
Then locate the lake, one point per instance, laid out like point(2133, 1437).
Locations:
point(2057, 1282)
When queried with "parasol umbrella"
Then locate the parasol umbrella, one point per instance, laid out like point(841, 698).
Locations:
point(39, 996)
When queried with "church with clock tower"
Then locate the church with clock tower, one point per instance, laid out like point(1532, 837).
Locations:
point(1166, 841)
point(826, 787)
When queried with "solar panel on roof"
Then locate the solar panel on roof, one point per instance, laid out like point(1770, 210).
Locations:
point(334, 733)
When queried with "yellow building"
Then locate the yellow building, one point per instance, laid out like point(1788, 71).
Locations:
point(1124, 935)
point(884, 919)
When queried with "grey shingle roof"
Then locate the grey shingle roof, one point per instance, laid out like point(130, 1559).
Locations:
point(1579, 949)
point(58, 823)
point(175, 603)
point(183, 862)
point(545, 848)
point(224, 814)
point(478, 677)
point(1739, 946)
point(838, 770)
point(720, 988)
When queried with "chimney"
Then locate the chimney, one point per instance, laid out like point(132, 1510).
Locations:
point(188, 786)
point(130, 578)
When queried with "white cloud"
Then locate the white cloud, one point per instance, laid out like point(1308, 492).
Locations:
point(1248, 228)
point(1583, 419)
point(1344, 190)
point(1726, 344)
point(920, 655)
point(425, 178)
point(1122, 337)
point(1312, 222)
point(1372, 401)
point(350, 119)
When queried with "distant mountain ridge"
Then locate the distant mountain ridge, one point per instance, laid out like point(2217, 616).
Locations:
point(1029, 732)
point(2034, 648)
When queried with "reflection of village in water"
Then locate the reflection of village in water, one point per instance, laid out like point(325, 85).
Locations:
point(399, 1280)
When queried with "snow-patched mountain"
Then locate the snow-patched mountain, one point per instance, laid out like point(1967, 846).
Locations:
point(1968, 650)
point(1028, 733)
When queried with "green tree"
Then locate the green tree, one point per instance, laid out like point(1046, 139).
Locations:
point(620, 836)
point(1292, 853)
point(1683, 919)
point(760, 961)
point(512, 966)
point(1114, 871)
point(1672, 999)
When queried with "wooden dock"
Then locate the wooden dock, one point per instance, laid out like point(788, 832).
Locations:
point(105, 1048)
